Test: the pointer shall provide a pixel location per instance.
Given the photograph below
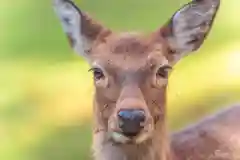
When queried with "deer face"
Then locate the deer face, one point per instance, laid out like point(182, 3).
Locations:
point(130, 74)
point(130, 70)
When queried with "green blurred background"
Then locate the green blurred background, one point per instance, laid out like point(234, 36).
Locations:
point(46, 91)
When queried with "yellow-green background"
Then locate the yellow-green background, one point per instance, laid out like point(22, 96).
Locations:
point(46, 91)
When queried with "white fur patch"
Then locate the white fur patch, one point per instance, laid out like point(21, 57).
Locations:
point(119, 138)
point(141, 138)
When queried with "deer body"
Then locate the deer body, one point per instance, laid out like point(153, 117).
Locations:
point(216, 137)
point(130, 72)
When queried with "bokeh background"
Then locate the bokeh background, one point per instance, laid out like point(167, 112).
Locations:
point(46, 91)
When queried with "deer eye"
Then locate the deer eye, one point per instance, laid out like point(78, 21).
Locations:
point(163, 71)
point(97, 73)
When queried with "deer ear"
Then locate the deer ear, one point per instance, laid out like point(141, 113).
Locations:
point(80, 29)
point(189, 26)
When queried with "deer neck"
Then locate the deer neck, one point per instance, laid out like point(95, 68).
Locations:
point(156, 148)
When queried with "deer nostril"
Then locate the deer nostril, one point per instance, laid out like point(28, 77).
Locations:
point(130, 121)
point(133, 115)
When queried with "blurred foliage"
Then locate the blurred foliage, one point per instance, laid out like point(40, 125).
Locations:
point(46, 91)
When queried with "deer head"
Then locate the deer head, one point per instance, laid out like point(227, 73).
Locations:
point(130, 70)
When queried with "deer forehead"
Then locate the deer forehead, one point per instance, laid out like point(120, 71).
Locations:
point(128, 51)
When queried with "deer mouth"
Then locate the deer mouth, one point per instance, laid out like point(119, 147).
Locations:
point(123, 138)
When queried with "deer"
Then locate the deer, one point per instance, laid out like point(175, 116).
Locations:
point(130, 73)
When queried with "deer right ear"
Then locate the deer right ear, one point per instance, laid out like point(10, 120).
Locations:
point(80, 29)
point(189, 27)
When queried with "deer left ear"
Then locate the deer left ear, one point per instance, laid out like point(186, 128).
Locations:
point(189, 26)
point(80, 29)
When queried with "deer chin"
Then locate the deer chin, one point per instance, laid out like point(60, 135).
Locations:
point(119, 138)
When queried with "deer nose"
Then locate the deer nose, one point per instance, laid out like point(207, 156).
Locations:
point(130, 121)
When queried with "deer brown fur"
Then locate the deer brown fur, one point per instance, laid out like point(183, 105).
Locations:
point(216, 137)
point(130, 71)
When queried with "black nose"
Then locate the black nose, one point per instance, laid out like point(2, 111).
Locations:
point(130, 121)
